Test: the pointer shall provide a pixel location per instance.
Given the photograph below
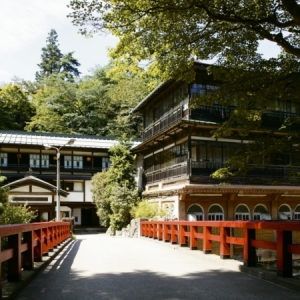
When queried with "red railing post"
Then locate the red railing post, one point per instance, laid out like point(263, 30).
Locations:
point(50, 239)
point(193, 239)
point(14, 264)
point(45, 241)
point(38, 250)
point(224, 246)
point(28, 257)
point(182, 240)
point(166, 234)
point(160, 231)
point(284, 258)
point(173, 234)
point(249, 250)
point(206, 240)
point(155, 231)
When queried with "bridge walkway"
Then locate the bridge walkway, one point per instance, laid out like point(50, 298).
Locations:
point(96, 266)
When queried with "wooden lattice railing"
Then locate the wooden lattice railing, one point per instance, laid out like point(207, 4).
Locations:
point(188, 233)
point(23, 244)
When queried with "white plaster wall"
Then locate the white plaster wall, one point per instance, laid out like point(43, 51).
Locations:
point(23, 189)
point(38, 189)
point(73, 197)
point(77, 216)
point(88, 192)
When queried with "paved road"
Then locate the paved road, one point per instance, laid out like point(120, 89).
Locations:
point(101, 267)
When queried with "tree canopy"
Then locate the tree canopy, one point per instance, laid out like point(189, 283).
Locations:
point(172, 34)
point(114, 191)
point(15, 107)
point(94, 105)
point(54, 62)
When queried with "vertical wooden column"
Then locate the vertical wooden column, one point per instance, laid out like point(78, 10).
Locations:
point(166, 234)
point(50, 239)
point(224, 247)
point(207, 247)
point(160, 232)
point(14, 264)
point(182, 241)
point(28, 260)
point(45, 241)
point(38, 252)
point(193, 239)
point(284, 258)
point(173, 234)
point(249, 251)
point(155, 227)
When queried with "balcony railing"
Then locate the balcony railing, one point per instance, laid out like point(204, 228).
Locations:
point(171, 172)
point(163, 123)
point(206, 168)
point(23, 168)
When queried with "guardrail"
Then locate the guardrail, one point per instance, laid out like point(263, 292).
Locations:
point(187, 233)
point(27, 243)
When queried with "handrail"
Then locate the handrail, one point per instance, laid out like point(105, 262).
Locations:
point(186, 233)
point(27, 243)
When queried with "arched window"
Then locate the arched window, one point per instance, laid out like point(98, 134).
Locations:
point(242, 212)
point(195, 213)
point(261, 213)
point(215, 213)
point(297, 213)
point(284, 212)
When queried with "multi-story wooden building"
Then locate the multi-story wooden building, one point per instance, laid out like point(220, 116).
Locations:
point(31, 172)
point(180, 154)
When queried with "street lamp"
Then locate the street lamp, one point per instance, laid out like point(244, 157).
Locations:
point(70, 142)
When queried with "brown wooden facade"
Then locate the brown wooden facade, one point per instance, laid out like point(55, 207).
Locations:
point(179, 155)
point(23, 155)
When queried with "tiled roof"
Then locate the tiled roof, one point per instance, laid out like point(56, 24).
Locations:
point(55, 139)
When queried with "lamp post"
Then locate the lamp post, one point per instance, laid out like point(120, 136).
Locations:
point(70, 142)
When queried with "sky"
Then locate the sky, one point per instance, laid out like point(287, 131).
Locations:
point(24, 27)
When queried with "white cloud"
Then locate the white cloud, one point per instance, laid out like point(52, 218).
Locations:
point(22, 21)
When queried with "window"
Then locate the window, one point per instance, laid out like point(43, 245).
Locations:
point(77, 162)
point(242, 213)
point(215, 213)
point(105, 163)
point(284, 212)
point(261, 213)
point(3, 159)
point(34, 160)
point(195, 213)
point(45, 161)
point(68, 161)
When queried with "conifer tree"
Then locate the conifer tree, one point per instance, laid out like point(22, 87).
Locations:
point(54, 62)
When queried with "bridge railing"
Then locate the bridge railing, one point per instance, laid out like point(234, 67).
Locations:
point(188, 233)
point(22, 244)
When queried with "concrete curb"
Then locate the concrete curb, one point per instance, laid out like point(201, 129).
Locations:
point(11, 289)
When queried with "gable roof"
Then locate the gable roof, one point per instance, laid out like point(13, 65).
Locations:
point(32, 180)
point(56, 139)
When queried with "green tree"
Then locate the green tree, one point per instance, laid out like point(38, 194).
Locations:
point(54, 62)
point(13, 214)
point(171, 35)
point(15, 107)
point(114, 191)
point(98, 104)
